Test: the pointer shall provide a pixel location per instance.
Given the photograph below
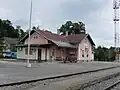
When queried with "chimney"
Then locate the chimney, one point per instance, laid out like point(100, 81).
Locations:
point(66, 33)
point(38, 27)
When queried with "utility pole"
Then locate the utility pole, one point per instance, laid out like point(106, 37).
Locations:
point(116, 4)
point(28, 60)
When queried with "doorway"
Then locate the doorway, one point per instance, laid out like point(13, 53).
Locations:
point(39, 55)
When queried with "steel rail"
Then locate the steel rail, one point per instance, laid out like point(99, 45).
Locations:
point(112, 86)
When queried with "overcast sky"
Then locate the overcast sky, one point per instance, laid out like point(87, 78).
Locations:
point(50, 14)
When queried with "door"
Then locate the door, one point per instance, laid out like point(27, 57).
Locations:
point(39, 55)
point(43, 54)
point(48, 56)
point(53, 54)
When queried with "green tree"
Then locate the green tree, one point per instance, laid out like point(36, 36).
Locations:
point(72, 28)
point(20, 33)
point(1, 47)
point(7, 30)
point(111, 53)
point(104, 53)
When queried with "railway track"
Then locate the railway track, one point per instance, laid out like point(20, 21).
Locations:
point(35, 82)
point(114, 86)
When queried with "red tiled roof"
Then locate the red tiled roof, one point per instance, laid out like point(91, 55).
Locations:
point(56, 37)
point(52, 36)
point(76, 37)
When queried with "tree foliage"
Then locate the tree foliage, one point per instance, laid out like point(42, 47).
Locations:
point(7, 30)
point(72, 28)
point(104, 53)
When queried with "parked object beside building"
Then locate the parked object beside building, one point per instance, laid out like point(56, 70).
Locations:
point(10, 55)
point(45, 45)
point(8, 45)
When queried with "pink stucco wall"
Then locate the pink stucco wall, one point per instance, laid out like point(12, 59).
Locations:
point(36, 39)
point(63, 53)
point(71, 51)
point(77, 52)
point(59, 52)
point(89, 49)
point(85, 43)
point(50, 50)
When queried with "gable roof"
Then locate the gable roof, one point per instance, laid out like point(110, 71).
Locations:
point(76, 38)
point(90, 39)
point(11, 40)
point(52, 36)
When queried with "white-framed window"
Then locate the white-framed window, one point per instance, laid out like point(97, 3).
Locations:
point(87, 55)
point(86, 51)
point(53, 52)
point(36, 37)
point(31, 51)
point(82, 53)
point(85, 40)
point(26, 51)
point(20, 48)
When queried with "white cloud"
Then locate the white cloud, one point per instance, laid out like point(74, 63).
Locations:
point(101, 26)
point(96, 14)
point(4, 13)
